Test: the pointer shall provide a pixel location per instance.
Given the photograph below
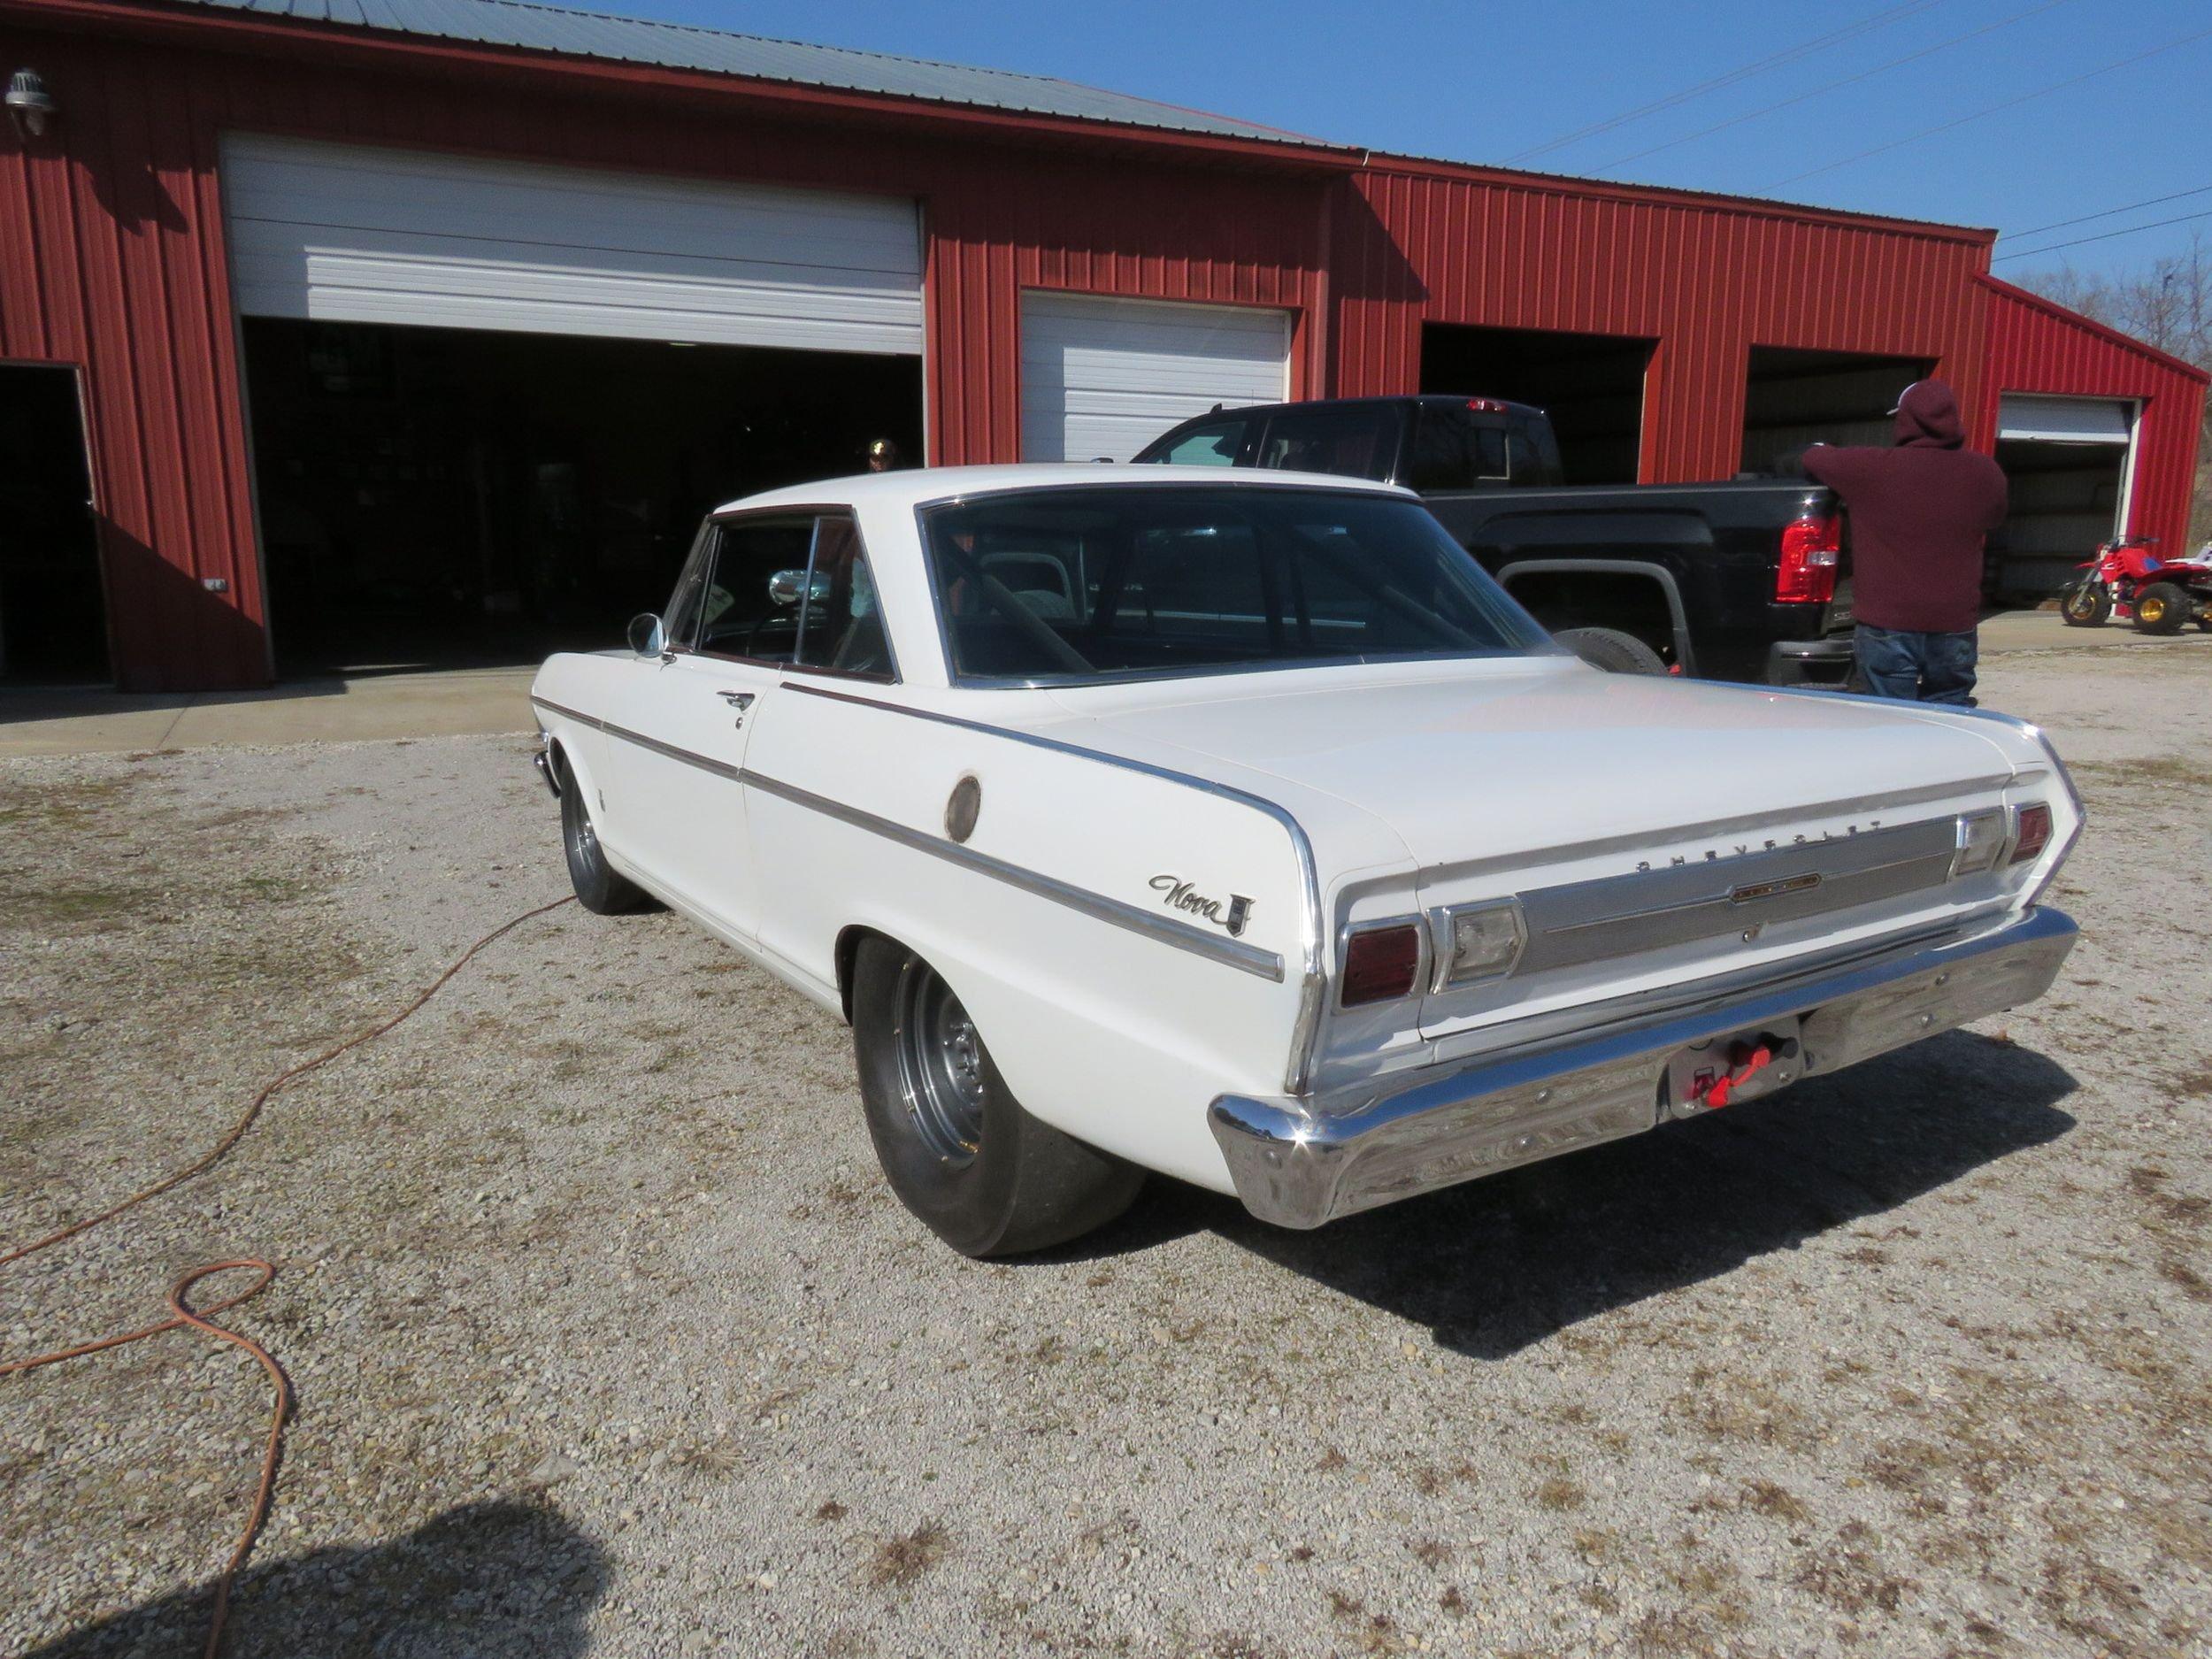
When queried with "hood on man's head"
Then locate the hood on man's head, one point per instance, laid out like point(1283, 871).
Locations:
point(1927, 414)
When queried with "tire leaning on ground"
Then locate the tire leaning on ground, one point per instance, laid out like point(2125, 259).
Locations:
point(956, 1146)
point(599, 885)
point(1612, 650)
point(2085, 607)
point(2161, 608)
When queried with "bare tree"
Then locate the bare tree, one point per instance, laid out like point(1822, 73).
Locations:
point(2168, 304)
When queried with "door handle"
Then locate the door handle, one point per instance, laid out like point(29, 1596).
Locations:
point(739, 700)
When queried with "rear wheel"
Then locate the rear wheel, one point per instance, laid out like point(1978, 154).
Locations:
point(2162, 607)
point(956, 1146)
point(599, 885)
point(2087, 606)
point(1612, 650)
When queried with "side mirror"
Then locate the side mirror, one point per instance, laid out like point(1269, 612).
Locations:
point(784, 588)
point(647, 636)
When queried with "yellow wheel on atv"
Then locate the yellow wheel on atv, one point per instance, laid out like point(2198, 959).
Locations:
point(2162, 607)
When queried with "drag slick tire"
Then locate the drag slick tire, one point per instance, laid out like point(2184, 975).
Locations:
point(2085, 607)
point(2162, 607)
point(599, 886)
point(956, 1146)
point(1614, 652)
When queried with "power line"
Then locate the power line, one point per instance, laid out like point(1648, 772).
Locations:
point(1837, 85)
point(1945, 126)
point(1866, 25)
point(2014, 235)
point(2103, 236)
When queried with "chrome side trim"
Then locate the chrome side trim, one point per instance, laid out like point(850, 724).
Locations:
point(577, 715)
point(1314, 976)
point(1234, 953)
point(1231, 952)
point(1383, 1140)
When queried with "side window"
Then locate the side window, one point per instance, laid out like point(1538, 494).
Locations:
point(841, 623)
point(1452, 451)
point(754, 590)
point(1349, 443)
point(1215, 444)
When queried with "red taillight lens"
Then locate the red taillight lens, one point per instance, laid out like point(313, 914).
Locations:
point(2035, 833)
point(1381, 964)
point(1811, 549)
point(1486, 406)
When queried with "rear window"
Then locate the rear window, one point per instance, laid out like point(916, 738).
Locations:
point(1088, 584)
point(1212, 443)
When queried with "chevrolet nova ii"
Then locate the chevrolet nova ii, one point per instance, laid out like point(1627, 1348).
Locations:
point(1241, 829)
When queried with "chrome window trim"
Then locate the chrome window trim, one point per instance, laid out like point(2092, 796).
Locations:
point(1352, 930)
point(1444, 942)
point(1314, 971)
point(1234, 953)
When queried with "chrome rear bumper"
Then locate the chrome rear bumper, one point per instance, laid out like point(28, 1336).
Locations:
point(1301, 1164)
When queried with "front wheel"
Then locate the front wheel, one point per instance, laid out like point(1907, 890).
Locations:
point(956, 1146)
point(1612, 650)
point(2162, 607)
point(599, 885)
point(2087, 606)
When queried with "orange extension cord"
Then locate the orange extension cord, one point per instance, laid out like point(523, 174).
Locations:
point(182, 1312)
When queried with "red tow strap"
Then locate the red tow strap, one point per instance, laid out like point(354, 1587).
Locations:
point(1745, 1064)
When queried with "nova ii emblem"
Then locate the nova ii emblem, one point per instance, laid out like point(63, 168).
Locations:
point(1176, 894)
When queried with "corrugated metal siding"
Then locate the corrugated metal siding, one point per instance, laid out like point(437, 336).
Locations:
point(114, 257)
point(2035, 346)
point(1708, 281)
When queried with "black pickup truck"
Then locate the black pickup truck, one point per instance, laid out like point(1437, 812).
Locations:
point(1746, 580)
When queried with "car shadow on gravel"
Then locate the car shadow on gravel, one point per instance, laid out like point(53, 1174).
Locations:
point(486, 1580)
point(1502, 1262)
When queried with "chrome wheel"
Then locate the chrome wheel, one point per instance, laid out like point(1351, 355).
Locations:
point(941, 1065)
point(583, 840)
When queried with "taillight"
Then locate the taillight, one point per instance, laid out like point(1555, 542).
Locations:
point(1487, 406)
point(1381, 963)
point(2034, 833)
point(1811, 547)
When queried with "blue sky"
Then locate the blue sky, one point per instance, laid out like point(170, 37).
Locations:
point(1478, 82)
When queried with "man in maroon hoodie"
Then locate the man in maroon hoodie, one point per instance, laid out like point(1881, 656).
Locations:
point(1920, 510)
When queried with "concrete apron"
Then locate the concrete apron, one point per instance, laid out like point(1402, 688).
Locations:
point(450, 705)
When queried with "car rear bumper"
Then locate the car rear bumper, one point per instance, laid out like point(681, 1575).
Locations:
point(1299, 1164)
point(1810, 661)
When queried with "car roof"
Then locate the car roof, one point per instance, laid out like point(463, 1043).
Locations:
point(914, 486)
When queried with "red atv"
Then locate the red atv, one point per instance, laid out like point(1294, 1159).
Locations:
point(2127, 581)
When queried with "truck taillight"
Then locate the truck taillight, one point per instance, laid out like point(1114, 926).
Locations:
point(1811, 547)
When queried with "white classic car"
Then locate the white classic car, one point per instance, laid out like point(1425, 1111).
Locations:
point(1241, 829)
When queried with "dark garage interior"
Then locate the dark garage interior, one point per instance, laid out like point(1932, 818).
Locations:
point(2065, 499)
point(1793, 398)
point(53, 622)
point(446, 497)
point(1592, 386)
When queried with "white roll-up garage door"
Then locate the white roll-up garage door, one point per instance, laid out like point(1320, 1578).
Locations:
point(2025, 417)
point(335, 233)
point(1104, 377)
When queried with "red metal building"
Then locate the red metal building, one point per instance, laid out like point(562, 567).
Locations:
point(291, 273)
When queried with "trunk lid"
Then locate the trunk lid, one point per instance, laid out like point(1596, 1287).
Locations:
point(1533, 762)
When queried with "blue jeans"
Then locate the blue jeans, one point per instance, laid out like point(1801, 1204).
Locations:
point(1917, 667)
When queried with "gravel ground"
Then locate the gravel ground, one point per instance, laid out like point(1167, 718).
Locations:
point(608, 1339)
